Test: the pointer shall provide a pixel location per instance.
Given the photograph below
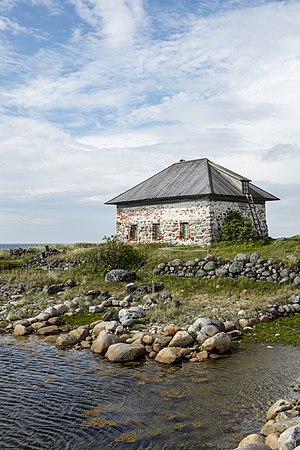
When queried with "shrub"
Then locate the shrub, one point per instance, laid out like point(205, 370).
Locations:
point(114, 254)
point(238, 229)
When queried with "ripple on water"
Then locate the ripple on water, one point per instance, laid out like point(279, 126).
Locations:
point(52, 399)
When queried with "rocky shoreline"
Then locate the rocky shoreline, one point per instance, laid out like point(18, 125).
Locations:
point(281, 430)
point(122, 335)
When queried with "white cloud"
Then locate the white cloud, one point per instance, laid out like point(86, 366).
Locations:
point(283, 151)
point(117, 22)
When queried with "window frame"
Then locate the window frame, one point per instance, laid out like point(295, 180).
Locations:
point(133, 232)
point(156, 231)
point(184, 230)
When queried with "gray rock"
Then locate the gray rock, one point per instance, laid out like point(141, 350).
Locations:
point(181, 339)
point(65, 340)
point(24, 322)
point(219, 324)
point(51, 311)
point(119, 276)
point(127, 322)
point(136, 312)
point(201, 322)
point(95, 309)
point(297, 280)
point(290, 438)
point(42, 317)
point(100, 326)
point(283, 425)
point(122, 352)
point(210, 330)
point(104, 341)
point(176, 262)
point(200, 273)
point(80, 333)
point(51, 329)
point(61, 308)
point(221, 273)
point(209, 266)
point(169, 355)
point(277, 407)
point(37, 325)
point(236, 267)
point(254, 257)
point(201, 337)
point(21, 330)
point(55, 289)
point(252, 439)
point(242, 257)
point(220, 342)
point(112, 325)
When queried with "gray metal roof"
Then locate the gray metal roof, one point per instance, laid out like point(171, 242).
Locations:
point(190, 179)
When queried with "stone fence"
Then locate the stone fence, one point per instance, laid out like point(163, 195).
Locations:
point(252, 267)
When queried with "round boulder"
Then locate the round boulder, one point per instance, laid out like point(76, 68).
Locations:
point(104, 341)
point(169, 355)
point(65, 340)
point(120, 276)
point(236, 267)
point(125, 352)
point(253, 439)
point(181, 339)
point(220, 342)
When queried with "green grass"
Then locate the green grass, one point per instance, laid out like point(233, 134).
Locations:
point(284, 331)
point(81, 319)
point(287, 251)
point(10, 264)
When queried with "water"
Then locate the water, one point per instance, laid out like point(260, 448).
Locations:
point(7, 246)
point(74, 400)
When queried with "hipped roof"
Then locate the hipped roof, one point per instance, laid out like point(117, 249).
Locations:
point(191, 179)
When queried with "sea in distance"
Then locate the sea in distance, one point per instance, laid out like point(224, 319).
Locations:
point(22, 245)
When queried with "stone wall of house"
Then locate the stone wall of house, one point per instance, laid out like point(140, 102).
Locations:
point(220, 209)
point(204, 218)
point(169, 216)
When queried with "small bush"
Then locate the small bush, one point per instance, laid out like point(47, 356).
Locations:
point(238, 229)
point(114, 254)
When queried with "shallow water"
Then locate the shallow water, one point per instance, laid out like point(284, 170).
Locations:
point(54, 399)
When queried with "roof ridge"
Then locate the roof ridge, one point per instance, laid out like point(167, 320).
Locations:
point(210, 180)
point(229, 172)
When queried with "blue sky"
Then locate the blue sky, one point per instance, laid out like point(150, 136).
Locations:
point(96, 96)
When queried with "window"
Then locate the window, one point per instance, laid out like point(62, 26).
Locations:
point(184, 230)
point(156, 231)
point(133, 232)
point(245, 186)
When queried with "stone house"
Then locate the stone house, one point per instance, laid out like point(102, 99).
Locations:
point(187, 203)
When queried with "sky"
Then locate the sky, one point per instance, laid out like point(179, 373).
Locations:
point(97, 95)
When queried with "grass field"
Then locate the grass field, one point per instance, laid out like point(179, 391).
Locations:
point(220, 298)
